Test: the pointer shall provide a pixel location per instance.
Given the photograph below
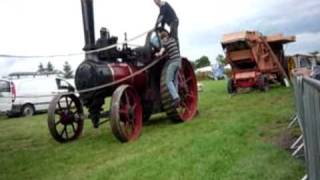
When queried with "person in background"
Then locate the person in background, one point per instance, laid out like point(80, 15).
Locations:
point(106, 40)
point(167, 16)
point(315, 72)
point(102, 42)
point(104, 37)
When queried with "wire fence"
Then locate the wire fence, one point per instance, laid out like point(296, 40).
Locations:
point(307, 100)
point(99, 87)
point(78, 53)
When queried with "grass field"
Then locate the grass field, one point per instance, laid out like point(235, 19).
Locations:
point(233, 138)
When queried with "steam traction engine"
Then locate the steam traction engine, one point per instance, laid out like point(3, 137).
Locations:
point(136, 91)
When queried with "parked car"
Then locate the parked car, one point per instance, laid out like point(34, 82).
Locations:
point(23, 96)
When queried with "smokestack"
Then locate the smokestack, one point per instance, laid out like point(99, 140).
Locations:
point(88, 24)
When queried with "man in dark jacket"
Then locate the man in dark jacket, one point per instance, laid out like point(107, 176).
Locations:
point(106, 40)
point(167, 16)
point(102, 42)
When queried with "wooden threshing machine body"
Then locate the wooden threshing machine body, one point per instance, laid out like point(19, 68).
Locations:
point(255, 59)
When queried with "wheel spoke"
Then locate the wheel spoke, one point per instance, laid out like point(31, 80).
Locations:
point(73, 128)
point(183, 104)
point(67, 102)
point(62, 132)
point(74, 113)
point(131, 122)
point(59, 105)
point(58, 122)
point(122, 111)
point(72, 103)
point(66, 131)
point(58, 112)
point(127, 98)
point(180, 109)
point(63, 106)
point(130, 126)
point(134, 106)
point(77, 117)
point(69, 105)
point(127, 126)
point(185, 107)
point(190, 95)
point(187, 80)
point(182, 78)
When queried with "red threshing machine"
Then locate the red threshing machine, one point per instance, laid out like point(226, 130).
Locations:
point(136, 91)
point(256, 60)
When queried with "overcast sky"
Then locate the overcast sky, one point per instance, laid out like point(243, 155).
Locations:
point(46, 27)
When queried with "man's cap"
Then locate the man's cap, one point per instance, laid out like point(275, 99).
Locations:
point(103, 29)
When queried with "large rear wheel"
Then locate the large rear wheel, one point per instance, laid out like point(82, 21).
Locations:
point(186, 85)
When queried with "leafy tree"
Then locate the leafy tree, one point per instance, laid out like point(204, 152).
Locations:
point(221, 60)
point(41, 68)
point(50, 67)
point(202, 62)
point(314, 53)
point(193, 64)
point(68, 73)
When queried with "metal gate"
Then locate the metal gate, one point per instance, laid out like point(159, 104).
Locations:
point(307, 100)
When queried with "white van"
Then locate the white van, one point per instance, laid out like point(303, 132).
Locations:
point(23, 96)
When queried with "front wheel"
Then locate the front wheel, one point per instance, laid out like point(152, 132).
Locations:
point(126, 114)
point(65, 118)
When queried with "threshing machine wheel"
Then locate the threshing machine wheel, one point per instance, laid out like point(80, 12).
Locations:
point(65, 118)
point(126, 114)
point(263, 83)
point(186, 84)
point(281, 80)
point(231, 87)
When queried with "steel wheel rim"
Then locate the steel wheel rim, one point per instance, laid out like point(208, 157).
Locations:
point(186, 84)
point(65, 118)
point(126, 115)
point(187, 89)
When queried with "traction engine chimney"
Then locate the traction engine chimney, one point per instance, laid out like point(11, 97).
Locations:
point(88, 24)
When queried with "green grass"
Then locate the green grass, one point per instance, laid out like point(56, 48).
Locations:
point(228, 140)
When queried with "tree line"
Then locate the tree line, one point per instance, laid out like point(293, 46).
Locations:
point(67, 70)
point(204, 61)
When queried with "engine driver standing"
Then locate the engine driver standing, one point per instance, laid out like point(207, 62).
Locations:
point(168, 16)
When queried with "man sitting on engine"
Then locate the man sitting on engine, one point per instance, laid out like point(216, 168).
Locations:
point(106, 40)
point(170, 46)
